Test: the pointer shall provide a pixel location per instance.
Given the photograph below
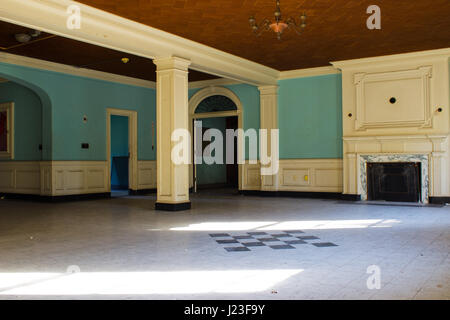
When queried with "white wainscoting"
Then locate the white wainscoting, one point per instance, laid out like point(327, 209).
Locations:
point(310, 175)
point(74, 177)
point(301, 175)
point(146, 174)
point(251, 177)
point(20, 177)
point(57, 178)
point(53, 178)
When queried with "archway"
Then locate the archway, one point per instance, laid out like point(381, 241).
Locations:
point(213, 111)
point(46, 111)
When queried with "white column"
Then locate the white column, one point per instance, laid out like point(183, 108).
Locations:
point(269, 121)
point(171, 114)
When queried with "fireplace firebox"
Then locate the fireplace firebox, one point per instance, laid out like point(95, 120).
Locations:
point(394, 181)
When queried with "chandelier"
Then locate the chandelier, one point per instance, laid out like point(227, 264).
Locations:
point(279, 25)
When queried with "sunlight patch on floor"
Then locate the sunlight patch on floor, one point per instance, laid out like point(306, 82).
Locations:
point(172, 282)
point(289, 225)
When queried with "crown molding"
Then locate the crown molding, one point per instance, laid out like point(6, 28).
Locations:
point(401, 58)
point(213, 82)
point(98, 75)
point(66, 69)
point(309, 72)
point(111, 31)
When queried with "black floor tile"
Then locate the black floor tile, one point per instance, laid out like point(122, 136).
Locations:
point(324, 244)
point(257, 233)
point(235, 249)
point(219, 235)
point(268, 239)
point(254, 244)
point(226, 241)
point(281, 235)
point(293, 231)
point(282, 246)
point(307, 238)
point(243, 237)
point(295, 241)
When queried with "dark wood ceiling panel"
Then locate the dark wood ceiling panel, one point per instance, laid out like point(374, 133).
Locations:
point(336, 29)
point(79, 54)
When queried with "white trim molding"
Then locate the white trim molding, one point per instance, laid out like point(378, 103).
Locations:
point(309, 72)
point(111, 31)
point(213, 82)
point(66, 69)
point(393, 60)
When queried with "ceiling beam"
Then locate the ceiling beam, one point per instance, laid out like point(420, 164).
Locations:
point(111, 31)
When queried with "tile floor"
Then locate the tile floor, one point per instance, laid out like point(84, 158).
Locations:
point(122, 249)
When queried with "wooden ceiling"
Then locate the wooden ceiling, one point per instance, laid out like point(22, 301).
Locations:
point(79, 54)
point(336, 29)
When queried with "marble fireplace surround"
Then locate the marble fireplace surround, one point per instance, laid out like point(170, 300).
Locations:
point(422, 158)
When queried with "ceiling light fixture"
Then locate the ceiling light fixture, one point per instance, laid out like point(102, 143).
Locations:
point(279, 25)
point(22, 37)
point(26, 37)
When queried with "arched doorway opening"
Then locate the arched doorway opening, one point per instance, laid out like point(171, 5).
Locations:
point(221, 109)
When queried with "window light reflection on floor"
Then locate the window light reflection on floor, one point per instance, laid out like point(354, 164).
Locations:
point(289, 225)
point(115, 283)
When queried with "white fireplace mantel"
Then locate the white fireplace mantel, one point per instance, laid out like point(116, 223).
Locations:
point(423, 159)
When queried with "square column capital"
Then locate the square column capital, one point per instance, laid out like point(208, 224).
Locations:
point(171, 63)
point(268, 90)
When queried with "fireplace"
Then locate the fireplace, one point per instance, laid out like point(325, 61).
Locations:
point(394, 181)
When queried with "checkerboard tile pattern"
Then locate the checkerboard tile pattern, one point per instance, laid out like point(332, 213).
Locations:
point(278, 240)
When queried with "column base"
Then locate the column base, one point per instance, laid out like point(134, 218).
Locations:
point(351, 197)
point(439, 200)
point(173, 206)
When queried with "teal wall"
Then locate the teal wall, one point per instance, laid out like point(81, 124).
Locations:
point(249, 97)
point(66, 99)
point(27, 120)
point(309, 111)
point(310, 117)
point(215, 173)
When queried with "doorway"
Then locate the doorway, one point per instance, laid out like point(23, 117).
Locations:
point(121, 151)
point(119, 173)
point(218, 177)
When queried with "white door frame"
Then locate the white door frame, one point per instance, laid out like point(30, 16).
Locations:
point(132, 144)
point(195, 101)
